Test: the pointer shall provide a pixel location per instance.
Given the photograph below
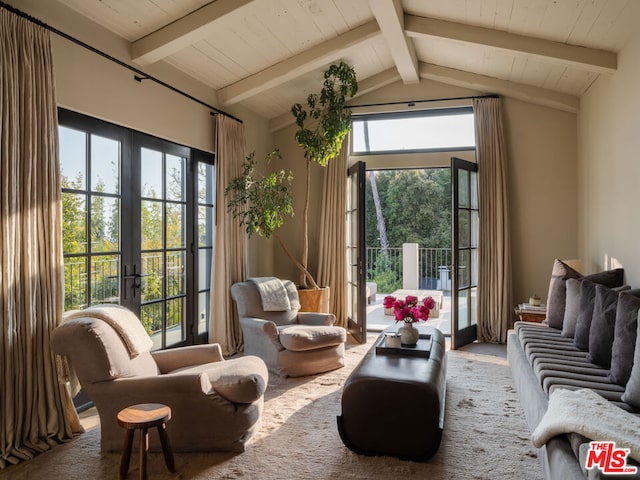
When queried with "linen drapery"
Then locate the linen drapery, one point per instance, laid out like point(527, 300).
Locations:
point(33, 406)
point(230, 247)
point(332, 268)
point(494, 281)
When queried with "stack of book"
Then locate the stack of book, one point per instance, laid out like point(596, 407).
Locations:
point(528, 308)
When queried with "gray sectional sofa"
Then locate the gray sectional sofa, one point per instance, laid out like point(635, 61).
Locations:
point(588, 341)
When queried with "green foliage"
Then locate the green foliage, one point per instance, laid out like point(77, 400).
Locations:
point(384, 275)
point(324, 122)
point(416, 206)
point(261, 202)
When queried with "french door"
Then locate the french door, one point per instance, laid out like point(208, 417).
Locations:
point(138, 217)
point(356, 274)
point(464, 291)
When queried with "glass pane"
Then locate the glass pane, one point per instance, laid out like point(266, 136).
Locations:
point(73, 158)
point(105, 279)
point(105, 165)
point(151, 224)
point(153, 271)
point(414, 133)
point(175, 273)
point(475, 226)
point(463, 188)
point(74, 218)
point(205, 226)
point(203, 312)
point(151, 317)
point(105, 224)
point(175, 177)
point(474, 189)
point(204, 268)
point(205, 183)
point(463, 268)
point(151, 173)
point(473, 305)
point(175, 321)
point(463, 309)
point(75, 283)
point(463, 229)
point(175, 225)
point(474, 266)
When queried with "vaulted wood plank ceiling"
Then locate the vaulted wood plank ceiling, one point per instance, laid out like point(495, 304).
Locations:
point(268, 54)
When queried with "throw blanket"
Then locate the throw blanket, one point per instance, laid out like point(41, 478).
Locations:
point(123, 321)
point(587, 413)
point(273, 294)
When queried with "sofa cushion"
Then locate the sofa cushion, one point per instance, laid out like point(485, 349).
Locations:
point(624, 338)
point(631, 393)
point(557, 292)
point(602, 326)
point(585, 314)
point(299, 338)
point(572, 307)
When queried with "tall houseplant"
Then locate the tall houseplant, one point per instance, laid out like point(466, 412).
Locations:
point(262, 202)
point(323, 124)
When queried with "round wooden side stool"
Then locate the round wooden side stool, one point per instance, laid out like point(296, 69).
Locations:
point(143, 417)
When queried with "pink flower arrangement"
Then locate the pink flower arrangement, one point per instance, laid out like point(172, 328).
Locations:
point(409, 310)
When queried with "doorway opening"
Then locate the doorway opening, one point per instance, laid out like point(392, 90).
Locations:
point(408, 241)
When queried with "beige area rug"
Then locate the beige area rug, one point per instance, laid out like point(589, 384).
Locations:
point(485, 435)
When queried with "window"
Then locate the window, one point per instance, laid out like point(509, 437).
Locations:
point(131, 218)
point(443, 129)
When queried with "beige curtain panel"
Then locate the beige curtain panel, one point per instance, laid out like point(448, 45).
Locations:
point(494, 281)
point(33, 401)
point(230, 247)
point(332, 267)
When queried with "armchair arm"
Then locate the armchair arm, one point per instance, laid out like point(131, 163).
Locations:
point(157, 387)
point(311, 318)
point(172, 359)
point(259, 328)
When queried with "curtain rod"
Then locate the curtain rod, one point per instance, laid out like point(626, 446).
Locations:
point(140, 75)
point(412, 103)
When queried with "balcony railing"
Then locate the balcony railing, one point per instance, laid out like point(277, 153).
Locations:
point(434, 266)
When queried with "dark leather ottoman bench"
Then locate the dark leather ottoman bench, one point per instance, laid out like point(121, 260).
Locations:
point(394, 404)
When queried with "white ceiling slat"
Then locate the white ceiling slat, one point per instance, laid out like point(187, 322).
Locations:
point(585, 21)
point(390, 18)
point(598, 61)
point(502, 18)
point(297, 65)
point(183, 32)
point(526, 93)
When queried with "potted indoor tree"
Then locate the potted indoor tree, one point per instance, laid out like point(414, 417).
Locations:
point(263, 202)
point(323, 124)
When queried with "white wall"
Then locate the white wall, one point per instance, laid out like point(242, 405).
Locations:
point(609, 169)
point(541, 143)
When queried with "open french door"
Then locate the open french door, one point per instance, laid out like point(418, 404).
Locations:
point(356, 275)
point(464, 299)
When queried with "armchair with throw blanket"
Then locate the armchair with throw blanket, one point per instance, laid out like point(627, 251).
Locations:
point(216, 403)
point(292, 343)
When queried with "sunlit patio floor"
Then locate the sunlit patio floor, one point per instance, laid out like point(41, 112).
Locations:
point(378, 321)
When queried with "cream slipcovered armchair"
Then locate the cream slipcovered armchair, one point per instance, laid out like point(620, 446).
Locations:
point(216, 403)
point(292, 343)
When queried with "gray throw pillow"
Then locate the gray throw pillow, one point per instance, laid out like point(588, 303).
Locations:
point(624, 338)
point(557, 292)
point(572, 307)
point(602, 326)
point(608, 278)
point(631, 393)
point(583, 322)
